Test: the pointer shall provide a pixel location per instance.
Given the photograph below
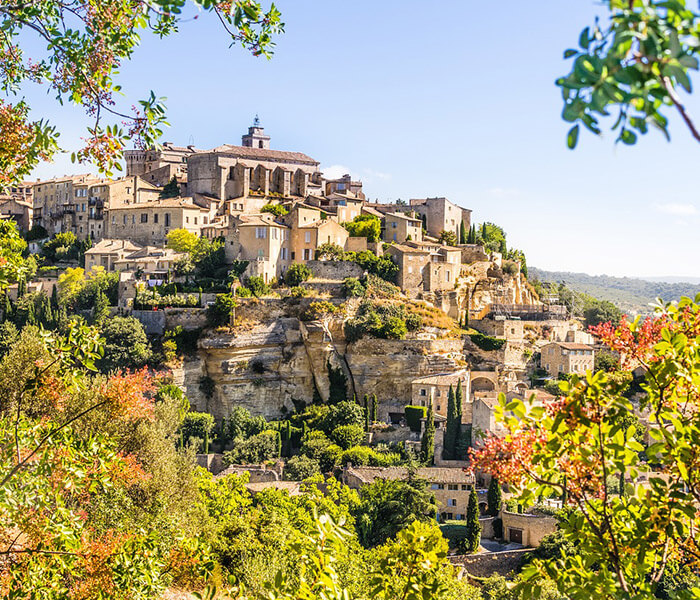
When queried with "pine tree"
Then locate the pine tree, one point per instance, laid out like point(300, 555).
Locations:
point(427, 442)
point(473, 537)
point(170, 189)
point(462, 233)
point(451, 432)
point(494, 497)
point(375, 408)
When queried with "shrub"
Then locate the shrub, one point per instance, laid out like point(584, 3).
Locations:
point(353, 288)
point(330, 251)
point(254, 450)
point(395, 328)
point(413, 322)
point(220, 312)
point(257, 286)
point(319, 309)
point(359, 456)
point(347, 436)
point(551, 386)
point(301, 467)
point(448, 238)
point(126, 344)
point(367, 226)
point(343, 413)
point(510, 267)
point(197, 426)
point(298, 292)
point(487, 342)
point(274, 209)
point(414, 415)
point(297, 274)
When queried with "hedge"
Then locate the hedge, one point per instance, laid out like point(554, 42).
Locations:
point(486, 342)
point(414, 414)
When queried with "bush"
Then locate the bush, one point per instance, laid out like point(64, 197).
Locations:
point(317, 446)
point(301, 467)
point(395, 329)
point(343, 413)
point(362, 456)
point(257, 286)
point(220, 312)
point(298, 292)
point(254, 450)
point(347, 436)
point(126, 344)
point(297, 274)
point(197, 426)
point(414, 415)
point(319, 309)
point(487, 342)
point(413, 322)
point(274, 209)
point(353, 288)
point(381, 266)
point(330, 251)
point(367, 226)
point(510, 267)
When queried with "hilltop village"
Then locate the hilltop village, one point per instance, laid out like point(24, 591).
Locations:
point(367, 335)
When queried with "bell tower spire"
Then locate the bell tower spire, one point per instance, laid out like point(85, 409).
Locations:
point(256, 138)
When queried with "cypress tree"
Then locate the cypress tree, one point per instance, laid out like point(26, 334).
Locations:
point(462, 233)
point(54, 297)
point(278, 444)
point(473, 537)
point(31, 313)
point(450, 439)
point(375, 408)
point(483, 231)
point(7, 309)
point(494, 497)
point(503, 249)
point(21, 288)
point(458, 420)
point(427, 442)
point(365, 403)
point(288, 436)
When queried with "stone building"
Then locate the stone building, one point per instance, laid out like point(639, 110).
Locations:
point(152, 262)
point(401, 227)
point(148, 223)
point(344, 185)
point(107, 252)
point(19, 211)
point(168, 161)
point(434, 390)
point(56, 198)
point(426, 267)
point(567, 357)
point(451, 486)
point(231, 172)
point(439, 214)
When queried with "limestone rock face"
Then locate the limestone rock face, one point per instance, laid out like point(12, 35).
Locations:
point(270, 366)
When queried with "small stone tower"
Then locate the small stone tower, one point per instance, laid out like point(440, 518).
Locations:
point(256, 138)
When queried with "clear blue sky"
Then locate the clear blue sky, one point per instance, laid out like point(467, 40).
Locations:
point(451, 98)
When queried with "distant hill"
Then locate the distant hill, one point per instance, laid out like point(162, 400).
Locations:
point(630, 294)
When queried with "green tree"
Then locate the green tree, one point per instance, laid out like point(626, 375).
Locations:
point(347, 436)
point(274, 209)
point(367, 226)
point(448, 238)
point(220, 312)
point(388, 506)
point(374, 416)
point(100, 311)
point(301, 467)
point(427, 442)
point(471, 541)
point(182, 240)
point(170, 189)
point(296, 274)
point(126, 345)
point(494, 498)
point(463, 233)
point(602, 312)
point(452, 427)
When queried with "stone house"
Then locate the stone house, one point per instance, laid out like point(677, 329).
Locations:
point(55, 198)
point(500, 327)
point(19, 211)
point(343, 206)
point(310, 228)
point(434, 389)
point(451, 486)
point(400, 227)
point(168, 157)
point(567, 357)
point(343, 185)
point(107, 252)
point(439, 214)
point(262, 241)
point(426, 267)
point(527, 529)
point(148, 223)
point(154, 263)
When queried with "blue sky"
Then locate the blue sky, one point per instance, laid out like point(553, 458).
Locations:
point(452, 98)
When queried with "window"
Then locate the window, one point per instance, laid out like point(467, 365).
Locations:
point(114, 218)
point(452, 486)
point(447, 516)
point(451, 502)
point(124, 219)
point(307, 237)
point(155, 218)
point(167, 219)
point(293, 255)
point(437, 486)
point(394, 224)
point(260, 233)
point(439, 393)
point(447, 275)
point(410, 269)
point(283, 254)
point(423, 392)
point(187, 219)
point(273, 233)
point(465, 486)
point(307, 253)
point(133, 219)
point(144, 217)
point(195, 220)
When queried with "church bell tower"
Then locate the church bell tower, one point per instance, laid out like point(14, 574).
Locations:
point(256, 138)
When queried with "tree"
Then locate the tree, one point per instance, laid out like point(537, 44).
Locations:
point(330, 251)
point(374, 415)
point(296, 274)
point(87, 44)
point(69, 285)
point(220, 312)
point(126, 344)
point(602, 312)
point(257, 286)
point(367, 226)
point(470, 543)
point(182, 240)
point(630, 67)
point(274, 209)
point(494, 497)
point(389, 505)
point(427, 442)
point(197, 426)
point(170, 189)
point(452, 427)
point(624, 542)
point(301, 467)
point(463, 233)
point(347, 436)
point(100, 312)
point(448, 238)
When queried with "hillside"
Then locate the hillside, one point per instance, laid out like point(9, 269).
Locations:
point(630, 294)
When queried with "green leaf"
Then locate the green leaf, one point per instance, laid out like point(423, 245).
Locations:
point(585, 38)
point(572, 137)
point(570, 52)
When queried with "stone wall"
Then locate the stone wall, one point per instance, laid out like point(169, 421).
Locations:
point(153, 321)
point(187, 318)
point(491, 563)
point(533, 527)
point(472, 253)
point(356, 244)
point(334, 270)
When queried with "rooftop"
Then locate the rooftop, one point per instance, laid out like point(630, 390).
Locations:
point(263, 154)
point(444, 378)
point(110, 245)
point(571, 345)
point(431, 474)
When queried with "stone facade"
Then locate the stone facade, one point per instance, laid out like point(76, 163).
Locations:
point(567, 357)
point(439, 214)
point(434, 389)
point(19, 211)
point(527, 529)
point(399, 228)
